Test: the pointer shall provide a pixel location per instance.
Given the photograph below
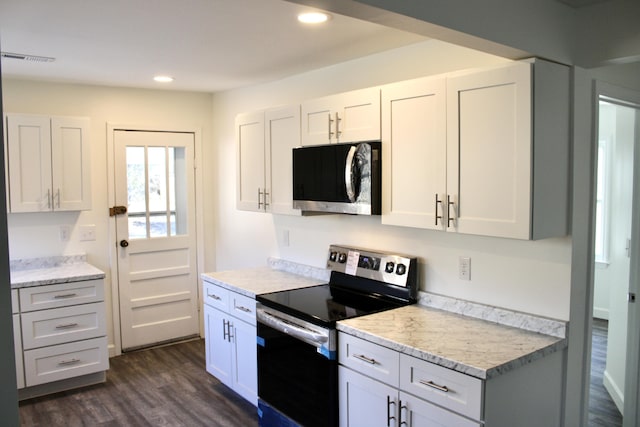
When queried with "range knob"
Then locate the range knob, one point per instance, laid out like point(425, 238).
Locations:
point(333, 256)
point(389, 267)
point(342, 257)
point(401, 269)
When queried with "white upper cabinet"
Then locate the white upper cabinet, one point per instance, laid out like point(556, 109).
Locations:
point(345, 117)
point(265, 141)
point(48, 162)
point(508, 151)
point(282, 135)
point(480, 152)
point(414, 144)
point(251, 171)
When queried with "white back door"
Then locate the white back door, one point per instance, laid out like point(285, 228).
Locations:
point(156, 237)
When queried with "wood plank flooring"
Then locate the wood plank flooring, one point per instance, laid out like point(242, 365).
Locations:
point(602, 411)
point(164, 386)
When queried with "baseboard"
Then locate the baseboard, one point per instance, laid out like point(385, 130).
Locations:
point(601, 313)
point(616, 394)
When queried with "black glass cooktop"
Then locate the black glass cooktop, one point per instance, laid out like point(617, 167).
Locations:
point(325, 304)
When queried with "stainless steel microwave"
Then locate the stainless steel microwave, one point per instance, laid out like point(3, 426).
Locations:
point(338, 178)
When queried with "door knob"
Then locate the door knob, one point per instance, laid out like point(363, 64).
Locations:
point(124, 243)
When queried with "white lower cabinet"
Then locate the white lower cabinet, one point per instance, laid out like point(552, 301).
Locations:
point(379, 386)
point(230, 335)
point(60, 335)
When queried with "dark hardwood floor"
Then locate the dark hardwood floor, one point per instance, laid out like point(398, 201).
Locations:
point(164, 386)
point(602, 411)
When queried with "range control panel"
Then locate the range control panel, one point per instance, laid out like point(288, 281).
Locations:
point(384, 267)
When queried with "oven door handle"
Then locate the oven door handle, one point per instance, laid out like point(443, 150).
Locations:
point(285, 326)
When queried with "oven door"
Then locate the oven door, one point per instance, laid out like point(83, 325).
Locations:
point(297, 372)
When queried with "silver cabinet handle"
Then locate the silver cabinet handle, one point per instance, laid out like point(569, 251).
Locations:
point(213, 296)
point(438, 202)
point(330, 133)
point(225, 334)
point(265, 194)
point(403, 408)
point(58, 198)
point(259, 196)
point(61, 296)
point(338, 131)
point(49, 201)
point(66, 325)
point(431, 384)
point(245, 309)
point(69, 362)
point(450, 207)
point(365, 359)
point(389, 417)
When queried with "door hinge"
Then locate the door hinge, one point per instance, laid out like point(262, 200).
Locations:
point(117, 210)
point(631, 297)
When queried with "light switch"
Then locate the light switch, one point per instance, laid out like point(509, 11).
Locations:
point(87, 232)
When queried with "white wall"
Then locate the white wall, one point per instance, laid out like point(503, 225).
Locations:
point(527, 276)
point(37, 234)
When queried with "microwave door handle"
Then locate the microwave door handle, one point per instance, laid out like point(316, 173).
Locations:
point(348, 174)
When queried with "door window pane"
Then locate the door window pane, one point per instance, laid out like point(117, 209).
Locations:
point(136, 192)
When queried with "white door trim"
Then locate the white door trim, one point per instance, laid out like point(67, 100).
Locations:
point(116, 348)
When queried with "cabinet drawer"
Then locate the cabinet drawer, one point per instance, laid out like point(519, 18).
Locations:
point(417, 412)
point(54, 296)
point(453, 390)
point(60, 325)
point(15, 303)
point(63, 361)
point(370, 359)
point(216, 296)
point(243, 307)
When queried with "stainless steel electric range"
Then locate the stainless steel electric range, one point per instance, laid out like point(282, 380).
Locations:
point(297, 344)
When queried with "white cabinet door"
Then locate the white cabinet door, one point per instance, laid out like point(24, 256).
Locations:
point(49, 163)
point(489, 151)
point(71, 164)
point(29, 163)
point(346, 117)
point(414, 153)
point(251, 170)
point(218, 351)
point(417, 413)
point(365, 402)
point(282, 135)
point(245, 359)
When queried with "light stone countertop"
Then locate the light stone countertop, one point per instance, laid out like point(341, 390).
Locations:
point(260, 280)
point(472, 346)
point(51, 271)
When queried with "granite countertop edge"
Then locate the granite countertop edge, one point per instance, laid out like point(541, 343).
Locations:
point(27, 273)
point(456, 365)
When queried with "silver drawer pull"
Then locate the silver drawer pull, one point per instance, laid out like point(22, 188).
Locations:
point(66, 325)
point(69, 362)
point(60, 296)
point(365, 359)
point(431, 384)
point(245, 309)
point(215, 297)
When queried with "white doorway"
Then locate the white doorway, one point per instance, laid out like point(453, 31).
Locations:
point(157, 283)
point(616, 250)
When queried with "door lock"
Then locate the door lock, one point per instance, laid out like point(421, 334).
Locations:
point(124, 243)
point(117, 210)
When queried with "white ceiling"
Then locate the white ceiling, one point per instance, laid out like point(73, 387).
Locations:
point(207, 45)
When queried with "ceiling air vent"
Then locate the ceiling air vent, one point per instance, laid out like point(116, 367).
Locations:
point(25, 57)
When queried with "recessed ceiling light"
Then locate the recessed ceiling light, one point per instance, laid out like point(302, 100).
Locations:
point(163, 79)
point(313, 17)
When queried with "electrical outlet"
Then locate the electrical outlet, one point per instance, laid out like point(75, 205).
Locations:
point(464, 268)
point(65, 233)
